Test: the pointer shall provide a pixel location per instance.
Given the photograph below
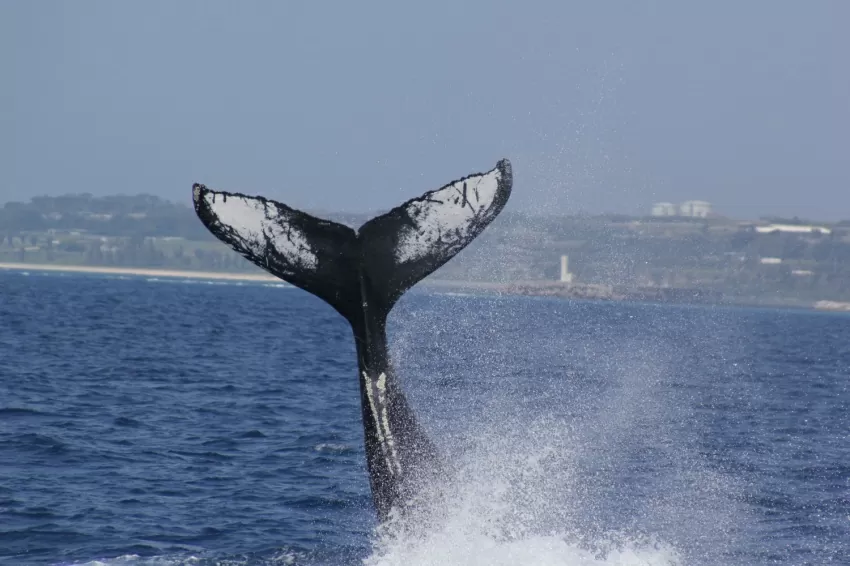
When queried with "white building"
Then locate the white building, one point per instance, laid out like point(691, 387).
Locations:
point(664, 209)
point(566, 276)
point(695, 208)
point(795, 228)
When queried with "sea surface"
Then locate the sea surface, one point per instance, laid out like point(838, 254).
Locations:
point(159, 422)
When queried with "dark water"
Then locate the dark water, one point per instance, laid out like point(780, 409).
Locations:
point(156, 422)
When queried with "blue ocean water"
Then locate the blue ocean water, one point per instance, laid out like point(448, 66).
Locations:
point(158, 422)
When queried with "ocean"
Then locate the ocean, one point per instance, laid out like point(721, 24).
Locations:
point(162, 422)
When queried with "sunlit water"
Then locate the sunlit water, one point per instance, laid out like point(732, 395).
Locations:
point(156, 422)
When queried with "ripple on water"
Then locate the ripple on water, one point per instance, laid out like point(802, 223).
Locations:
point(148, 424)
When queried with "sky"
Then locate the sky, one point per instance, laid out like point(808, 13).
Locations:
point(357, 106)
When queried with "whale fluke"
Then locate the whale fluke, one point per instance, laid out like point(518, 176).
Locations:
point(392, 252)
point(362, 273)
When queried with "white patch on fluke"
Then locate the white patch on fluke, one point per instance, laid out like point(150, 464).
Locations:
point(257, 222)
point(448, 216)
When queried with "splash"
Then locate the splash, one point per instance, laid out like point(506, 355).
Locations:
point(500, 510)
point(541, 551)
point(589, 460)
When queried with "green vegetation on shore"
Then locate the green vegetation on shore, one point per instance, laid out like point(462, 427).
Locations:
point(714, 256)
point(116, 231)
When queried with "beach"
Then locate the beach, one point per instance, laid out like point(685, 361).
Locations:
point(138, 272)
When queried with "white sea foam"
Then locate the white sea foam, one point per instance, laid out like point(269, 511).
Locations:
point(508, 504)
point(281, 558)
point(462, 547)
point(610, 477)
point(136, 560)
point(333, 448)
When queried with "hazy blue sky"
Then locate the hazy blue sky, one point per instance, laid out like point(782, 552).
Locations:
point(601, 106)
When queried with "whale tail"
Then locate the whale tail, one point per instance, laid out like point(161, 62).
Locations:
point(365, 270)
point(362, 273)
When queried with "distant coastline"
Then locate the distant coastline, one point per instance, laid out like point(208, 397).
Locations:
point(138, 272)
point(530, 288)
point(597, 292)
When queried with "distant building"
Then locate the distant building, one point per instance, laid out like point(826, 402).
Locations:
point(795, 228)
point(664, 209)
point(695, 209)
point(690, 209)
point(566, 276)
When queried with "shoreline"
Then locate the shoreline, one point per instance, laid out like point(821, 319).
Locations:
point(140, 272)
point(527, 289)
point(651, 295)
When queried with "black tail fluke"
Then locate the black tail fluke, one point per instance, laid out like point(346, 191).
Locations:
point(413, 240)
point(316, 255)
point(351, 269)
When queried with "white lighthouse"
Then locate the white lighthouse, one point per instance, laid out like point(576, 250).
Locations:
point(566, 276)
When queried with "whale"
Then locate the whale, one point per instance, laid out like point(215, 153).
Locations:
point(362, 273)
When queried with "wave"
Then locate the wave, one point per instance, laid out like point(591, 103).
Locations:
point(22, 412)
point(283, 557)
point(332, 448)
